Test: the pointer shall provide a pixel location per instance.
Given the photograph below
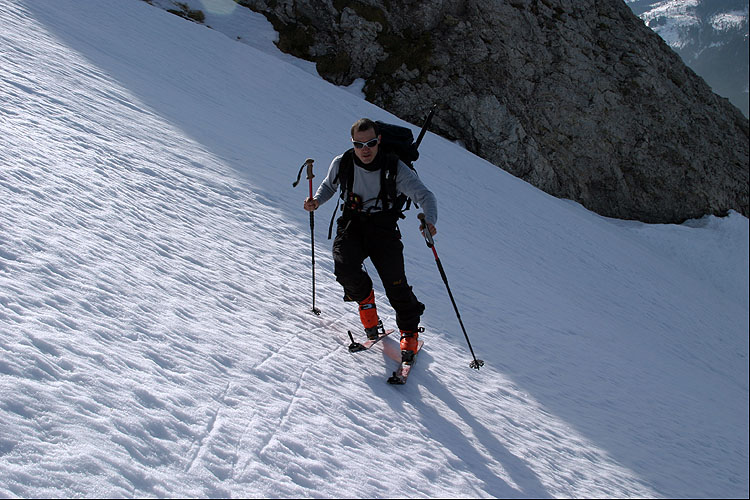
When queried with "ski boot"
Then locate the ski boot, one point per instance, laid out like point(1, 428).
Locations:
point(368, 314)
point(409, 344)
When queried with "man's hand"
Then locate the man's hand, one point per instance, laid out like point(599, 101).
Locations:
point(430, 227)
point(311, 204)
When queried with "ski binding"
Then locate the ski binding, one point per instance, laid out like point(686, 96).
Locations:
point(357, 347)
point(399, 376)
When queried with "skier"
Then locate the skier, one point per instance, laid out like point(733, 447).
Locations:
point(368, 228)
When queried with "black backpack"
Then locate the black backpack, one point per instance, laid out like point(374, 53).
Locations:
point(396, 143)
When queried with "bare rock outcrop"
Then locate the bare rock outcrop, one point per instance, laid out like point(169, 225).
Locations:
point(577, 97)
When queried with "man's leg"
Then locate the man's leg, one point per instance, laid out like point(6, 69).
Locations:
point(348, 255)
point(388, 259)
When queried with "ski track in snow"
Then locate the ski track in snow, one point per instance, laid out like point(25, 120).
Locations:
point(155, 332)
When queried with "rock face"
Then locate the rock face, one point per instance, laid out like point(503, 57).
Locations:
point(577, 97)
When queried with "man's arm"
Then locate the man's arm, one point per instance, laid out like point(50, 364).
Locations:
point(411, 185)
point(327, 188)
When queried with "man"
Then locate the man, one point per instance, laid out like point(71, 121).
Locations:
point(368, 228)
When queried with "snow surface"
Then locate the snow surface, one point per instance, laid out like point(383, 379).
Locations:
point(678, 16)
point(729, 20)
point(155, 288)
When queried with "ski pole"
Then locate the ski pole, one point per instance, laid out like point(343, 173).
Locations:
point(476, 363)
point(309, 164)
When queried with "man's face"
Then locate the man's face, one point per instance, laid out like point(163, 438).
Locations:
point(366, 153)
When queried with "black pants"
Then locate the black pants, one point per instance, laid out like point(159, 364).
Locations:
point(377, 237)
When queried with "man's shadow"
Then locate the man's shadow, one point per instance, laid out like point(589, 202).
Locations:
point(452, 437)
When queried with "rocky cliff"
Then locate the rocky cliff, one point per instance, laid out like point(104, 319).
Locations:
point(577, 97)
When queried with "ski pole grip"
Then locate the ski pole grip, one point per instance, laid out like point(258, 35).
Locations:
point(425, 231)
point(309, 163)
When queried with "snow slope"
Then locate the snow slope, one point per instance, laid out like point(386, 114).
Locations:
point(155, 333)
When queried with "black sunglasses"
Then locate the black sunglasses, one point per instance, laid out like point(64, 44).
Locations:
point(370, 144)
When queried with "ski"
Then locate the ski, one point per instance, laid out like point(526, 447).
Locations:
point(357, 347)
point(399, 376)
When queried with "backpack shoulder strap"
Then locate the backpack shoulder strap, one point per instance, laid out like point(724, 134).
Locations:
point(345, 179)
point(399, 201)
point(345, 175)
point(388, 191)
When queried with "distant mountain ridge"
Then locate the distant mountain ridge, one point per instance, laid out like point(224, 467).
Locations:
point(710, 36)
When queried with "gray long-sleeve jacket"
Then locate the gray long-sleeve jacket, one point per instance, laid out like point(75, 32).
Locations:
point(367, 186)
